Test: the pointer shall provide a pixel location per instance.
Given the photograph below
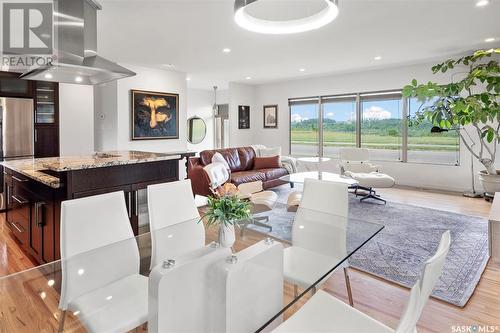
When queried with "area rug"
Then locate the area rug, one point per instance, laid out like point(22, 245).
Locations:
point(411, 236)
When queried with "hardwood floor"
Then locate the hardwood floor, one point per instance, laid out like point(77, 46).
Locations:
point(378, 298)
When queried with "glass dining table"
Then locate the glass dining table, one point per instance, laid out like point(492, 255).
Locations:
point(30, 299)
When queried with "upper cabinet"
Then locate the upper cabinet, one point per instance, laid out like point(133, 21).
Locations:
point(12, 86)
point(46, 102)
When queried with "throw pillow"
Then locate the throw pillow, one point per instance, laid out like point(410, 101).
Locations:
point(219, 158)
point(266, 162)
point(270, 152)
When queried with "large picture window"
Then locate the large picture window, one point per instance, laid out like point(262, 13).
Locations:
point(321, 126)
point(304, 127)
point(339, 124)
point(381, 126)
point(427, 147)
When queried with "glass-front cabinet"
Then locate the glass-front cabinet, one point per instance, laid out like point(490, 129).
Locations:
point(45, 112)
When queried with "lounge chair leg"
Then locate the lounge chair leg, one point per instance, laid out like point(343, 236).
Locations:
point(62, 318)
point(348, 286)
point(292, 185)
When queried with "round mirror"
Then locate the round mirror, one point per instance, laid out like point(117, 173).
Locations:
point(197, 130)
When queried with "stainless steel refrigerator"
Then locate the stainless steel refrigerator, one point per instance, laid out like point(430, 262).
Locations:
point(17, 130)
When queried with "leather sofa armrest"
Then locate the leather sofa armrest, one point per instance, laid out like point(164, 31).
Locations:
point(199, 179)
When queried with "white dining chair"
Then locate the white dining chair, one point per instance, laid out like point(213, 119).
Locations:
point(173, 220)
point(101, 284)
point(325, 313)
point(319, 235)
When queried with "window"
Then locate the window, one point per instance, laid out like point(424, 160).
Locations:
point(339, 124)
point(304, 129)
point(427, 147)
point(381, 126)
point(321, 126)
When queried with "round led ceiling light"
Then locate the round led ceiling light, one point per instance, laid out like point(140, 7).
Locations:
point(245, 20)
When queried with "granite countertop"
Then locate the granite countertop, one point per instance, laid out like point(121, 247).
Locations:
point(34, 167)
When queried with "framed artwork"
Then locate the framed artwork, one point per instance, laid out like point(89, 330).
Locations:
point(243, 117)
point(155, 115)
point(270, 116)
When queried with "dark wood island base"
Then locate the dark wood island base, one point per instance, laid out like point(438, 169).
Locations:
point(35, 188)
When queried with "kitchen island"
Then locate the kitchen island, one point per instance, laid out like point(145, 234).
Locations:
point(35, 188)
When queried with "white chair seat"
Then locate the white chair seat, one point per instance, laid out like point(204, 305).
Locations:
point(266, 198)
point(372, 179)
point(303, 267)
point(117, 307)
point(325, 313)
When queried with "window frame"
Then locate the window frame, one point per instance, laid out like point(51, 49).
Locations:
point(359, 98)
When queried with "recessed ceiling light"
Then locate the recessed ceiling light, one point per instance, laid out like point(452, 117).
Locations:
point(188, 79)
point(482, 3)
point(168, 65)
point(248, 78)
point(489, 40)
point(378, 58)
point(302, 69)
point(78, 79)
point(48, 76)
point(226, 50)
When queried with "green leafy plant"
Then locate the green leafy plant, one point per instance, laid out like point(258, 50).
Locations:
point(226, 210)
point(474, 100)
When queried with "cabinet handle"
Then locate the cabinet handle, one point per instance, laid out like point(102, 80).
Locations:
point(36, 135)
point(16, 227)
point(129, 205)
point(20, 200)
point(39, 222)
point(136, 196)
point(19, 179)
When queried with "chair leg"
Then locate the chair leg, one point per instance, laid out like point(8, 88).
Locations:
point(372, 194)
point(348, 286)
point(62, 318)
point(292, 185)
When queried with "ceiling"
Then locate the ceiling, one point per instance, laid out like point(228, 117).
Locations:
point(190, 34)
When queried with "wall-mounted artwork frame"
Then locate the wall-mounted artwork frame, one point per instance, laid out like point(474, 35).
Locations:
point(243, 117)
point(270, 114)
point(155, 115)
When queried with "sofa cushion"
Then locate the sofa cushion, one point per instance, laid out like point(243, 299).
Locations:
point(247, 157)
point(230, 155)
point(266, 162)
point(273, 173)
point(241, 177)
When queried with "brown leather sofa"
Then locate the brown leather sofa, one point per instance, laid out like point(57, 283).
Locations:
point(241, 162)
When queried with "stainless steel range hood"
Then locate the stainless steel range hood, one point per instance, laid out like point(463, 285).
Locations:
point(75, 28)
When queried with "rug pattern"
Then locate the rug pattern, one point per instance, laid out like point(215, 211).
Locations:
point(411, 236)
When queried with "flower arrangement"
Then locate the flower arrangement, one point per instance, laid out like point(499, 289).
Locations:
point(226, 207)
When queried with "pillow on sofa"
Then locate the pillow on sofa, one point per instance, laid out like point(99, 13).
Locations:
point(266, 162)
point(270, 152)
point(219, 158)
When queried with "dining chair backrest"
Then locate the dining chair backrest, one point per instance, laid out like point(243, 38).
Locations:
point(97, 244)
point(170, 204)
point(320, 224)
point(423, 288)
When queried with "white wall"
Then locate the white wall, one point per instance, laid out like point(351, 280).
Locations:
point(242, 94)
point(105, 117)
point(76, 119)
point(200, 103)
point(456, 178)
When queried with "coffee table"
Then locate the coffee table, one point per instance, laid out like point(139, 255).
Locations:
point(300, 177)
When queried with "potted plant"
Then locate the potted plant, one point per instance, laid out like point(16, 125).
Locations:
point(473, 101)
point(225, 210)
